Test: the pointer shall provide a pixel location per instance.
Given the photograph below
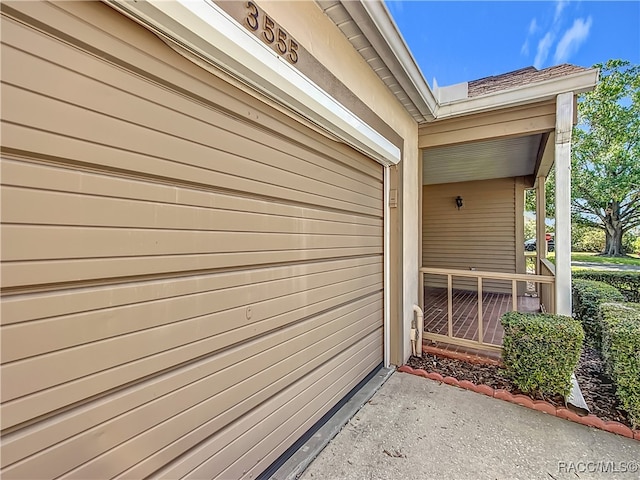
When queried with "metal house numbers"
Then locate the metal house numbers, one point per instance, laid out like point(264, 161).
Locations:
point(271, 33)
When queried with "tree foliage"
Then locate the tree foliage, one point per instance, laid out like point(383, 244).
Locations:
point(605, 160)
point(606, 154)
point(529, 229)
point(587, 239)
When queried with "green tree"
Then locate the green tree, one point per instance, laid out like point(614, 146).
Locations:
point(606, 155)
point(587, 239)
point(529, 229)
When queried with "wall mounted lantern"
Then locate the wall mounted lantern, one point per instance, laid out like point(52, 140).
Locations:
point(459, 202)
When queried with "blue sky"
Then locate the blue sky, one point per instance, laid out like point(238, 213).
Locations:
point(456, 41)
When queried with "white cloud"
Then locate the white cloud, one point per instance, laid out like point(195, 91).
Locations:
point(572, 39)
point(533, 28)
point(542, 53)
point(560, 4)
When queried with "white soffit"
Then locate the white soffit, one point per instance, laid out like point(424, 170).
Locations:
point(498, 158)
point(373, 33)
point(205, 30)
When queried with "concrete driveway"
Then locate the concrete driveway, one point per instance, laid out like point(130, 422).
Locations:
point(415, 428)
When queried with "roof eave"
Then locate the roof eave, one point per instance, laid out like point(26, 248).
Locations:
point(405, 64)
point(577, 83)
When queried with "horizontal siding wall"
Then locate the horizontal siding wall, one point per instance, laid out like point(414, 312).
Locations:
point(190, 278)
point(481, 235)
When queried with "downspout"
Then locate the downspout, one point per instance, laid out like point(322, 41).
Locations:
point(417, 327)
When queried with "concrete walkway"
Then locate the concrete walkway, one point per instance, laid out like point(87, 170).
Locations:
point(606, 266)
point(415, 428)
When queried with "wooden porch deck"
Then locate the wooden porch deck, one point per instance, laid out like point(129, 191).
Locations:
point(465, 315)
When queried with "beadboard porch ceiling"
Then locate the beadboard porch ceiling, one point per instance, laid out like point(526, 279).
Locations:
point(481, 160)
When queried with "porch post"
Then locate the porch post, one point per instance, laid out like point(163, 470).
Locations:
point(541, 227)
point(564, 125)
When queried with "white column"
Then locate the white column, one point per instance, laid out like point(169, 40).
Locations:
point(541, 227)
point(564, 125)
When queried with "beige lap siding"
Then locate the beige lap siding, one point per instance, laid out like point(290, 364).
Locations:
point(190, 278)
point(480, 235)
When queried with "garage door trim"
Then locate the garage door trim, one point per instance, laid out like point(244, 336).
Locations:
point(205, 30)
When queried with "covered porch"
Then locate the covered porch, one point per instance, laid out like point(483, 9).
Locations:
point(467, 313)
point(462, 313)
point(475, 171)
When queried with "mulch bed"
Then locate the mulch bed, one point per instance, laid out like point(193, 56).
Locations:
point(597, 388)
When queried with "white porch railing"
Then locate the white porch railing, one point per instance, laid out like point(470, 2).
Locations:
point(544, 285)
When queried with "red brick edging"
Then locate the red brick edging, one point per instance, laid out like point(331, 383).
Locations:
point(525, 401)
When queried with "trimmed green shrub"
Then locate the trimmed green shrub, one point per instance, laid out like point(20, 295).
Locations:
point(627, 282)
point(541, 351)
point(587, 297)
point(621, 353)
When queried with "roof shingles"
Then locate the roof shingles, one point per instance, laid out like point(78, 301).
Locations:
point(518, 78)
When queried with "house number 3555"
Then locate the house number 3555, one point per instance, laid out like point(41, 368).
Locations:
point(271, 33)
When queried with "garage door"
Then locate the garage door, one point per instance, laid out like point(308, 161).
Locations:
point(190, 278)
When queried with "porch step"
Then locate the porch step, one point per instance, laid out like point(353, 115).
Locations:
point(462, 353)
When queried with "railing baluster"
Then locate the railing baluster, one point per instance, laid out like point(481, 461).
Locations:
point(480, 333)
point(450, 305)
point(545, 281)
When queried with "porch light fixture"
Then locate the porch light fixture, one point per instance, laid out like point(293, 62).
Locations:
point(459, 202)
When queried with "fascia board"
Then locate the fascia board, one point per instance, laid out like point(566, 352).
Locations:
point(536, 92)
point(207, 31)
point(389, 34)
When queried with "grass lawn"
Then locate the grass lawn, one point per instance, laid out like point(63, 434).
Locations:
point(594, 258)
